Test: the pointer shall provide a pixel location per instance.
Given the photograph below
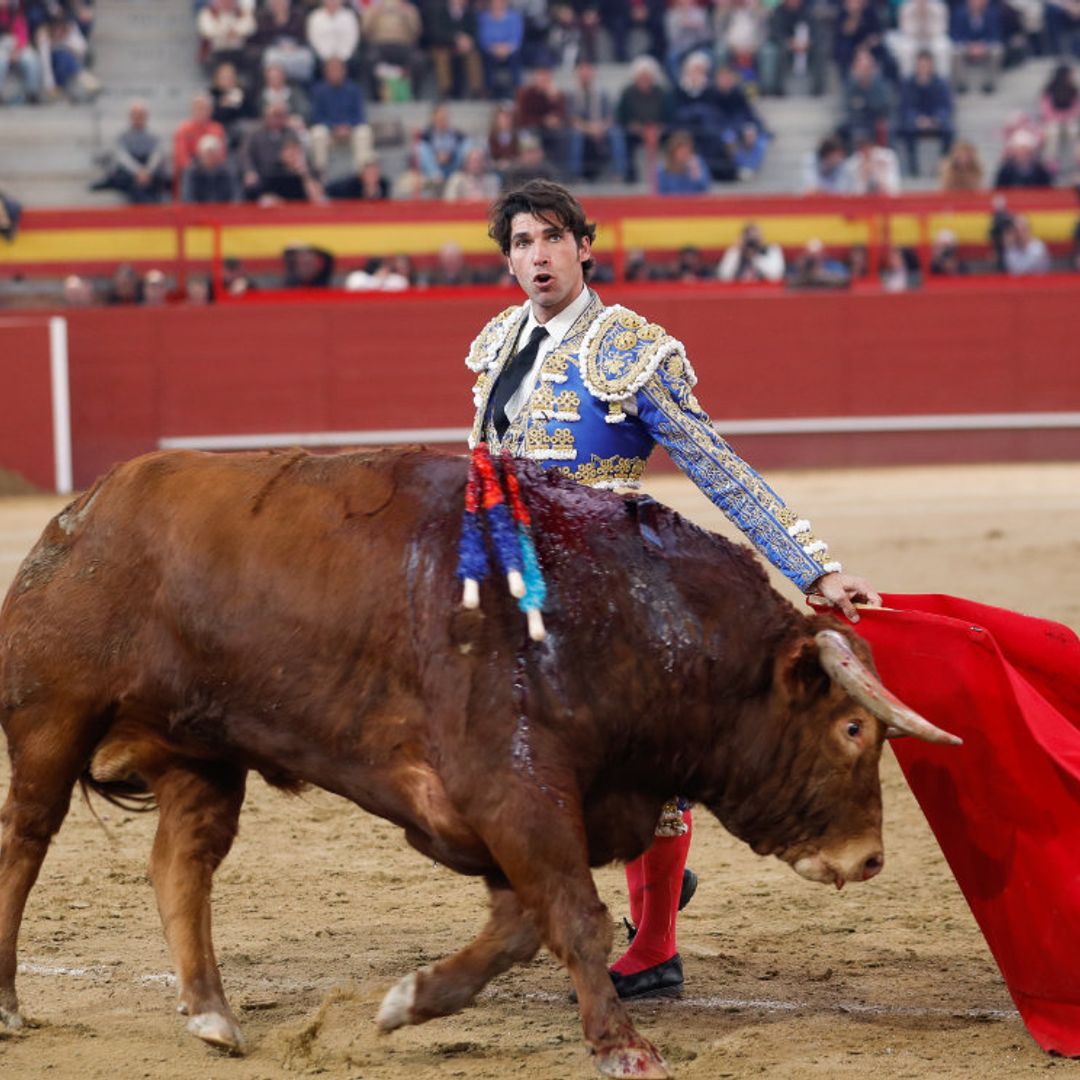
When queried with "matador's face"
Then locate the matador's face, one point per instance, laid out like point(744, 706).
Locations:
point(547, 263)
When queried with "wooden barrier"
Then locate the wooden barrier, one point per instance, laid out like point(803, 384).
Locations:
point(985, 372)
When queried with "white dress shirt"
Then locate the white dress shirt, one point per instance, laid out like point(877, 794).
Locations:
point(557, 328)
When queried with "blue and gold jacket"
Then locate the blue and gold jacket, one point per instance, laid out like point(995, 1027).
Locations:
point(615, 387)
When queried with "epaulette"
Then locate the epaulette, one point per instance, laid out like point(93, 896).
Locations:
point(621, 351)
point(486, 344)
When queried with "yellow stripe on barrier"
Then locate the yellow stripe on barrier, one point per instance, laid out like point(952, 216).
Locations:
point(714, 232)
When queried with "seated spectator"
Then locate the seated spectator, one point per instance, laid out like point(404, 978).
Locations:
point(1025, 253)
point(922, 26)
point(500, 35)
point(440, 147)
point(155, 289)
point(333, 31)
point(620, 18)
point(789, 48)
point(474, 181)
point(277, 90)
point(291, 180)
point(367, 183)
point(338, 117)
point(451, 269)
point(234, 278)
point(379, 275)
point(1021, 167)
point(66, 48)
point(17, 51)
point(825, 170)
point(126, 287)
point(739, 124)
point(137, 161)
point(867, 102)
point(541, 108)
point(1059, 109)
point(739, 30)
point(307, 267)
point(1063, 27)
point(224, 27)
point(814, 269)
point(210, 177)
point(682, 171)
point(926, 111)
point(687, 30)
point(10, 213)
point(189, 132)
point(751, 259)
point(390, 30)
point(78, 292)
point(872, 169)
point(696, 112)
point(962, 170)
point(644, 113)
point(896, 275)
point(260, 153)
point(200, 290)
point(503, 137)
point(977, 43)
point(281, 40)
point(690, 266)
point(450, 33)
point(231, 104)
point(575, 26)
point(858, 29)
point(531, 163)
point(945, 258)
point(596, 141)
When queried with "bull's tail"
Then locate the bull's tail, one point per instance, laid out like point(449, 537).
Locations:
point(130, 793)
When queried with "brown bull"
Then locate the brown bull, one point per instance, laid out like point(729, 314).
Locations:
point(193, 617)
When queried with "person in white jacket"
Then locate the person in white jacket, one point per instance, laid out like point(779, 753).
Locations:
point(333, 31)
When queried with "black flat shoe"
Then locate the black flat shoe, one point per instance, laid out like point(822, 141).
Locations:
point(662, 980)
point(686, 894)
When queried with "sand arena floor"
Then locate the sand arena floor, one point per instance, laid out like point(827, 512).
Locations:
point(319, 908)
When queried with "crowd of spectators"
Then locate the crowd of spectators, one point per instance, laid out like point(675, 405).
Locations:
point(689, 107)
point(45, 50)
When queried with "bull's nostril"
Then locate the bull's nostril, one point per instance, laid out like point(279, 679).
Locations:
point(872, 866)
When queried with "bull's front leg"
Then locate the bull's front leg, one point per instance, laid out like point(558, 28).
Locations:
point(546, 861)
point(510, 937)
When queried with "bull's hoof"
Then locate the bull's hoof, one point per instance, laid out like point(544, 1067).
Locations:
point(633, 1063)
point(396, 1008)
point(217, 1030)
point(11, 1019)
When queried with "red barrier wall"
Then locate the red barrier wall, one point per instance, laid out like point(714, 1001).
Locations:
point(382, 363)
point(26, 432)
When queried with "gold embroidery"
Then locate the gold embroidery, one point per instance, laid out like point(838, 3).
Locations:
point(554, 367)
point(567, 402)
point(606, 472)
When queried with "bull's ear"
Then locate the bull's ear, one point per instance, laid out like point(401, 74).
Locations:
point(799, 674)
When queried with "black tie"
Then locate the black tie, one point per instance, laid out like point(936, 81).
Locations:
point(511, 378)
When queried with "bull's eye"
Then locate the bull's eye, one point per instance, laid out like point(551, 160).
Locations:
point(854, 729)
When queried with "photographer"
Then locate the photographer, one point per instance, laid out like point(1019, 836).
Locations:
point(751, 259)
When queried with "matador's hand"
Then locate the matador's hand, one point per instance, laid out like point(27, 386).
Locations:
point(844, 591)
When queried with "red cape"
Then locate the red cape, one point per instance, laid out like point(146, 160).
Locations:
point(1005, 807)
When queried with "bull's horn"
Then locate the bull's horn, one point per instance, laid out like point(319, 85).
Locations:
point(847, 670)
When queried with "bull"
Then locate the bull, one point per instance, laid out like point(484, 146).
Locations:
point(193, 617)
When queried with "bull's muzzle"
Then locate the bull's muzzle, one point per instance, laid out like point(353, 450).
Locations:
point(857, 860)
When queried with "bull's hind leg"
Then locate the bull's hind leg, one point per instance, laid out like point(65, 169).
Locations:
point(510, 937)
point(200, 809)
point(48, 749)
